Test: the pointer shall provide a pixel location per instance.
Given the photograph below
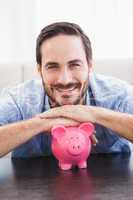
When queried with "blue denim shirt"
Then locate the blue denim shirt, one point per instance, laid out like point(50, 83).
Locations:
point(29, 98)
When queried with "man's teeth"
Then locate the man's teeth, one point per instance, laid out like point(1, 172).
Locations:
point(66, 90)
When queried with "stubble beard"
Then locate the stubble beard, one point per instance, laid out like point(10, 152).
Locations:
point(80, 99)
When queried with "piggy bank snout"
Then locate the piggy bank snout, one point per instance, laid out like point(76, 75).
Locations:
point(76, 145)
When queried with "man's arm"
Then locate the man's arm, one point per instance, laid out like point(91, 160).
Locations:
point(121, 123)
point(15, 134)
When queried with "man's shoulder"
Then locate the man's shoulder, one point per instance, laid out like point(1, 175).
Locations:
point(108, 89)
point(33, 83)
point(109, 81)
point(28, 96)
point(26, 88)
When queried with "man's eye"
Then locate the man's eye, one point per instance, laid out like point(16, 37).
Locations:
point(75, 65)
point(52, 67)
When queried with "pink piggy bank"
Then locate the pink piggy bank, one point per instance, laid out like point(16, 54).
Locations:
point(72, 145)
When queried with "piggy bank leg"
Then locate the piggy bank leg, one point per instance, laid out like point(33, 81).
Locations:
point(65, 166)
point(82, 164)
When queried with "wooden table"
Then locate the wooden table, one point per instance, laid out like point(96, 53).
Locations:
point(108, 177)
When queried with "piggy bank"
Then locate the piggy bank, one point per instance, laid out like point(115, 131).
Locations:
point(72, 145)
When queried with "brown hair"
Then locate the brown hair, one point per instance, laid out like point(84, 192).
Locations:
point(65, 28)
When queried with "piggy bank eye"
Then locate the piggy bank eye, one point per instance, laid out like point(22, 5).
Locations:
point(72, 137)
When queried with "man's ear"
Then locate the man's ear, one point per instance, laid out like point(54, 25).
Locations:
point(90, 65)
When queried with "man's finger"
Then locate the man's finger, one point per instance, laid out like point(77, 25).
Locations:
point(94, 140)
point(54, 112)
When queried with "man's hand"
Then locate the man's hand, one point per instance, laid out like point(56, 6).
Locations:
point(80, 113)
point(68, 115)
point(65, 122)
point(50, 122)
point(102, 116)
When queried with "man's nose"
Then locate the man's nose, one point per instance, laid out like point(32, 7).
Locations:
point(65, 77)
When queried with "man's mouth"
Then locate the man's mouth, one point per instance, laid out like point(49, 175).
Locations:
point(67, 90)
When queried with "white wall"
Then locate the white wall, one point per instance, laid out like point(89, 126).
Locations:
point(107, 22)
point(17, 41)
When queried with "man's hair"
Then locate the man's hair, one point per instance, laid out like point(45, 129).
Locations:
point(65, 28)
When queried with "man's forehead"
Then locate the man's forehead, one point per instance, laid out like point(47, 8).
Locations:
point(62, 38)
point(63, 49)
point(62, 44)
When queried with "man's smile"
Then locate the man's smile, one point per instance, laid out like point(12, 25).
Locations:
point(67, 90)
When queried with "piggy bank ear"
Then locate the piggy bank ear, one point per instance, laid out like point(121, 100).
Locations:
point(88, 128)
point(58, 131)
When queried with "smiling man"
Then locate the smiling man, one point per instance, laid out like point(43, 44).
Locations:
point(69, 93)
point(64, 70)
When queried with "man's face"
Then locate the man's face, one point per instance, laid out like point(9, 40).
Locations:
point(64, 70)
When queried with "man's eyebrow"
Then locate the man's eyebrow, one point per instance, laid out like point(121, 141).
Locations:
point(69, 62)
point(75, 61)
point(50, 63)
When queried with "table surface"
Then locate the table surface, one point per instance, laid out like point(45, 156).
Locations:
point(107, 177)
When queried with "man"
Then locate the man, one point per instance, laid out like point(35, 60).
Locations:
point(69, 93)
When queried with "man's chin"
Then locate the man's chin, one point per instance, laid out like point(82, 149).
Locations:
point(69, 102)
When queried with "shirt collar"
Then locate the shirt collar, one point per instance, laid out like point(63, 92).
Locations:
point(47, 104)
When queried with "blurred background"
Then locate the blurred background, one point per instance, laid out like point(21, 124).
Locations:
point(108, 23)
